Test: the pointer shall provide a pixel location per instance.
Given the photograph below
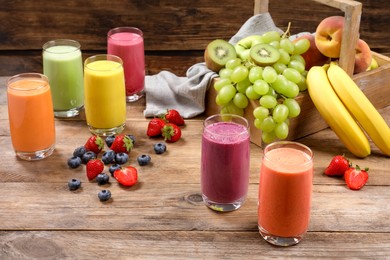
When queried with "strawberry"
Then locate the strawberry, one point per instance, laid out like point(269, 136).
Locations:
point(171, 132)
point(154, 127)
point(127, 176)
point(356, 178)
point(94, 167)
point(94, 144)
point(337, 166)
point(122, 144)
point(174, 117)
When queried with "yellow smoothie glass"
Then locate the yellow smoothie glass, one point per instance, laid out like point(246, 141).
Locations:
point(104, 94)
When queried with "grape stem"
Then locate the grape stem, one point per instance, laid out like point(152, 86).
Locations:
point(287, 32)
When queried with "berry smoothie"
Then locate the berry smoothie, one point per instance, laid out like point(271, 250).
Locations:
point(285, 192)
point(62, 64)
point(225, 162)
point(128, 44)
point(31, 116)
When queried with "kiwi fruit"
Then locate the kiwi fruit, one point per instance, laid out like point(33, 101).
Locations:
point(264, 54)
point(217, 53)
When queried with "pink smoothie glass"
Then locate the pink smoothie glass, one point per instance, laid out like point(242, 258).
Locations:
point(128, 44)
point(285, 192)
point(225, 162)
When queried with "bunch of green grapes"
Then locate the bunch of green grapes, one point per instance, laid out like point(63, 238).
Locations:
point(271, 87)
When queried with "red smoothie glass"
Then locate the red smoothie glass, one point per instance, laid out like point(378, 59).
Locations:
point(285, 192)
point(225, 162)
point(128, 44)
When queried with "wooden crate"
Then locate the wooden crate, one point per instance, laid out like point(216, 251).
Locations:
point(375, 83)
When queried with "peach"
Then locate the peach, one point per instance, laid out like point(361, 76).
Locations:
point(328, 36)
point(363, 57)
point(312, 57)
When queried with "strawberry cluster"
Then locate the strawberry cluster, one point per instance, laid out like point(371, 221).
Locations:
point(354, 176)
point(166, 125)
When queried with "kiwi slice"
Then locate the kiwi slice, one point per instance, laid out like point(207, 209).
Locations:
point(264, 54)
point(217, 53)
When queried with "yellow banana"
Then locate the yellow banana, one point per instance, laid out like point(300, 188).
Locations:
point(335, 113)
point(360, 107)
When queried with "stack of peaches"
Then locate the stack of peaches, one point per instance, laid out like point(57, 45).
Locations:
point(325, 45)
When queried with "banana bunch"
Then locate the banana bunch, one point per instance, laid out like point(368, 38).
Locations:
point(347, 110)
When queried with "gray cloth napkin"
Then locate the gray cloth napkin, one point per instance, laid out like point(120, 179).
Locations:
point(187, 94)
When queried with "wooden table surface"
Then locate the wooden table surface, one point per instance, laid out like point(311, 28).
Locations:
point(163, 216)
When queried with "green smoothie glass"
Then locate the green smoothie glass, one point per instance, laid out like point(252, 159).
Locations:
point(62, 64)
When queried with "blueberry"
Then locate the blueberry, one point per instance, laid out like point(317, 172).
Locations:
point(132, 137)
point(113, 168)
point(79, 151)
point(74, 184)
point(89, 155)
point(104, 195)
point(108, 157)
point(102, 178)
point(160, 148)
point(74, 162)
point(121, 158)
point(109, 140)
point(144, 159)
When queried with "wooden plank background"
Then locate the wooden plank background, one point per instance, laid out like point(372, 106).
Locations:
point(175, 32)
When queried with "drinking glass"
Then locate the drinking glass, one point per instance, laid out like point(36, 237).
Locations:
point(105, 95)
point(128, 44)
point(285, 192)
point(225, 162)
point(31, 116)
point(62, 64)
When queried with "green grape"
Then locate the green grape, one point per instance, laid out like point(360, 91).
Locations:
point(268, 101)
point(272, 92)
point(271, 36)
point(233, 63)
point(261, 87)
point(244, 55)
point(218, 101)
point(301, 46)
point(268, 124)
point(275, 44)
point(269, 74)
point(280, 113)
point(257, 123)
point(302, 85)
point(295, 64)
point(292, 90)
point(281, 130)
point(220, 82)
point(255, 73)
point(268, 137)
point(242, 85)
point(284, 57)
point(230, 108)
point(240, 100)
point(299, 58)
point(293, 107)
point(279, 67)
point(239, 73)
point(225, 73)
point(280, 84)
point(287, 45)
point(226, 93)
point(292, 75)
point(260, 112)
point(251, 93)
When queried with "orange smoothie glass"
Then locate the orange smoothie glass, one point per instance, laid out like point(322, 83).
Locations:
point(285, 192)
point(104, 94)
point(31, 116)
